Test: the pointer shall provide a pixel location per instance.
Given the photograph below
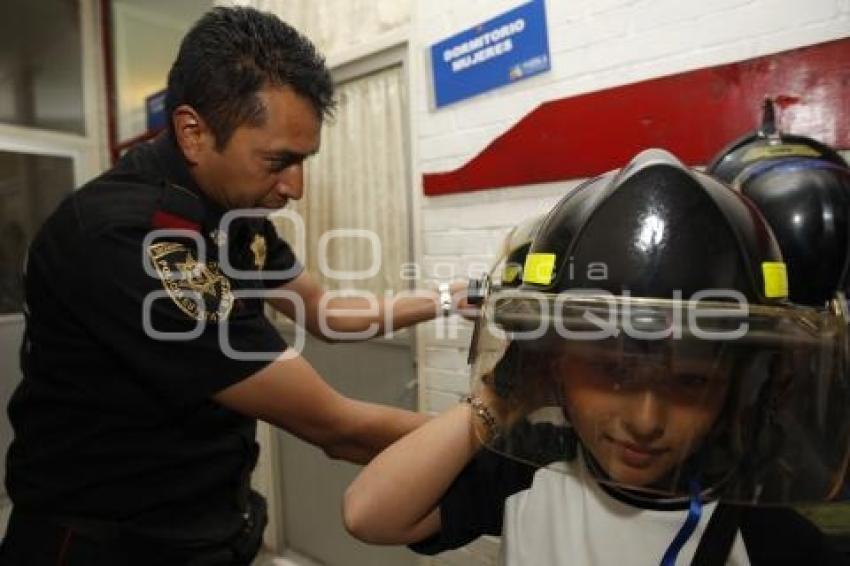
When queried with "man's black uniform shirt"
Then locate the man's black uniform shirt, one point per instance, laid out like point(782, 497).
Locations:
point(110, 422)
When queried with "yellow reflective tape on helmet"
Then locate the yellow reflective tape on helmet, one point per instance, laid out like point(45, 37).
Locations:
point(539, 269)
point(783, 150)
point(775, 279)
point(510, 273)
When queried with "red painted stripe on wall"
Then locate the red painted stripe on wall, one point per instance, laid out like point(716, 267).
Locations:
point(692, 114)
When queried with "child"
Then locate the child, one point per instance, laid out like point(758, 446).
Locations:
point(633, 391)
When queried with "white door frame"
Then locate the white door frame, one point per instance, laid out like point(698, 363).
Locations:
point(40, 142)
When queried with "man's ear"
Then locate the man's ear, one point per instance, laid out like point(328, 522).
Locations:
point(192, 133)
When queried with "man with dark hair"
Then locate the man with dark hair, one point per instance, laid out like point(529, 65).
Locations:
point(229, 55)
point(147, 358)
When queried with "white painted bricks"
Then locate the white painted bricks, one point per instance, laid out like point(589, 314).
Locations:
point(604, 43)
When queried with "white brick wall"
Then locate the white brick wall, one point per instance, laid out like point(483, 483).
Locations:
point(598, 44)
point(595, 44)
point(462, 236)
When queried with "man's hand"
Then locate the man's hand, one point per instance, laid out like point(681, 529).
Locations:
point(460, 301)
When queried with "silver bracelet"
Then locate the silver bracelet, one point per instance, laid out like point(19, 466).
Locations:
point(483, 412)
point(445, 299)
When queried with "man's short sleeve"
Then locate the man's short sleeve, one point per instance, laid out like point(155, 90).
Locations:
point(475, 502)
point(169, 314)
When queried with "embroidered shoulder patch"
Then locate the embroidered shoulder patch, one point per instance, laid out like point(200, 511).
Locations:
point(198, 288)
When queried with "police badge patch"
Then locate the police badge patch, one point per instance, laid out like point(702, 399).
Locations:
point(199, 289)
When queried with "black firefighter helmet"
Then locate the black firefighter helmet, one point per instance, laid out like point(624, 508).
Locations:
point(653, 229)
point(802, 187)
point(659, 278)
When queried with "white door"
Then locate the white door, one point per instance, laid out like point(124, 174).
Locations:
point(312, 485)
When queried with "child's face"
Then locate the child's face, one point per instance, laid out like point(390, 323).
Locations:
point(640, 420)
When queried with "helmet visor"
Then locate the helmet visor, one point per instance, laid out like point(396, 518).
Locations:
point(651, 394)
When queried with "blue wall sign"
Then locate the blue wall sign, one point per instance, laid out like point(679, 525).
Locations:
point(510, 47)
point(155, 111)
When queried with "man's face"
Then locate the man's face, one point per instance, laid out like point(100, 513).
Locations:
point(262, 166)
point(640, 420)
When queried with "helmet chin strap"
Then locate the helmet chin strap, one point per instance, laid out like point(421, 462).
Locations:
point(694, 508)
point(688, 528)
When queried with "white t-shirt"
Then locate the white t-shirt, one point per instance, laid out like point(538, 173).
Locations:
point(567, 518)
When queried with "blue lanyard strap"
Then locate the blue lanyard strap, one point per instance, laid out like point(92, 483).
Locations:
point(688, 528)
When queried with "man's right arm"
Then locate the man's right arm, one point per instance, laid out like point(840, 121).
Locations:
point(291, 395)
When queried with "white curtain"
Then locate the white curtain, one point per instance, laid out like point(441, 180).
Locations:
point(358, 181)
